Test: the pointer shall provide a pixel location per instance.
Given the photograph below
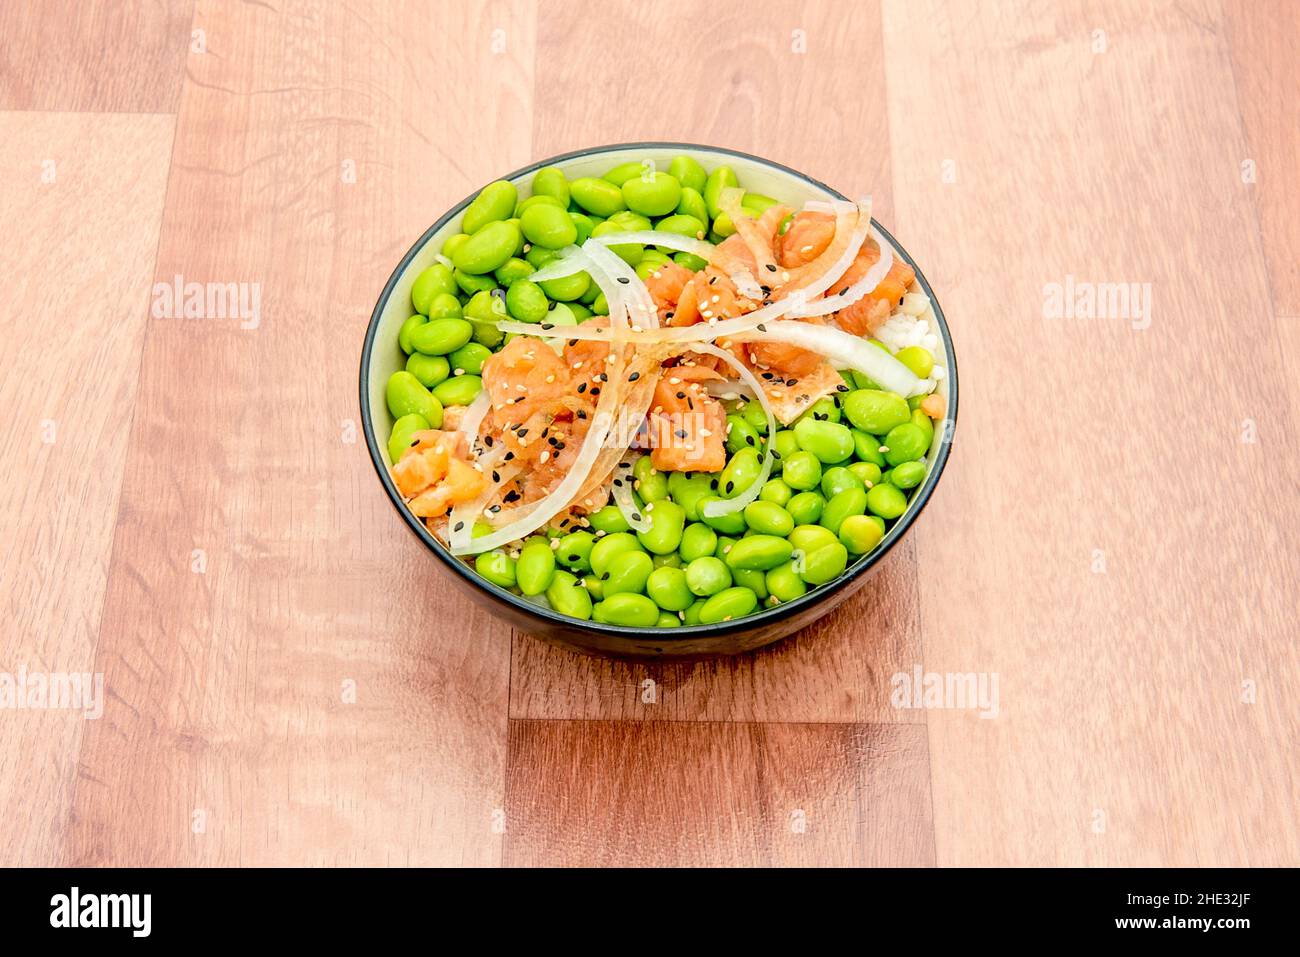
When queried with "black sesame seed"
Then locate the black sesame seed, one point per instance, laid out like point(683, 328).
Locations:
point(681, 395)
point(548, 325)
point(624, 280)
point(496, 476)
point(459, 526)
point(582, 387)
point(522, 432)
point(633, 377)
point(749, 440)
point(771, 267)
point(730, 488)
point(509, 456)
point(636, 516)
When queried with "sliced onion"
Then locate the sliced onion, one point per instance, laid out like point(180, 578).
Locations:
point(746, 285)
point(843, 347)
point(650, 237)
point(642, 311)
point(730, 505)
point(467, 513)
point(728, 389)
point(863, 287)
point(622, 490)
point(572, 260)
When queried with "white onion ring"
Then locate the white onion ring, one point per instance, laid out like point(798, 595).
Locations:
point(860, 289)
point(840, 346)
point(622, 491)
point(652, 237)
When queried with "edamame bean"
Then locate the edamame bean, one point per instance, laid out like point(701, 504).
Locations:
point(692, 204)
point(496, 201)
point(469, 284)
point(688, 171)
point(851, 501)
point(568, 288)
point(802, 470)
point(597, 196)
point(917, 358)
point(603, 552)
point(399, 440)
point(691, 616)
point(469, 359)
point(452, 243)
point(722, 228)
point(859, 534)
point(721, 178)
point(548, 226)
point(627, 572)
point(688, 490)
point(628, 609)
point(535, 567)
point(867, 448)
point(740, 472)
point(784, 445)
point(608, 520)
point(740, 434)
point(438, 337)
point(526, 301)
point(431, 282)
point(574, 551)
point(458, 390)
point(568, 597)
point(409, 326)
point(759, 551)
point(829, 441)
point(732, 523)
point(430, 370)
point(445, 305)
point(875, 411)
point(600, 306)
point(698, 540)
point(724, 545)
point(728, 605)
point(904, 443)
point(868, 473)
point(667, 521)
point(690, 261)
point(497, 567)
point(784, 583)
point(682, 224)
point(487, 249)
point(768, 518)
point(886, 500)
point(630, 253)
point(755, 416)
point(668, 620)
point(824, 410)
point(551, 181)
point(653, 195)
point(584, 225)
point(806, 507)
point(839, 478)
point(908, 475)
point(482, 312)
point(672, 559)
point(926, 425)
point(809, 538)
point(752, 578)
point(825, 564)
point(623, 172)
point(406, 395)
point(707, 576)
point(756, 203)
point(651, 484)
point(776, 491)
point(512, 270)
point(531, 201)
point(667, 586)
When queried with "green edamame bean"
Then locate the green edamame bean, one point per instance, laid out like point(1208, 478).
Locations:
point(886, 500)
point(824, 410)
point(597, 196)
point(623, 172)
point(430, 370)
point(740, 434)
point(825, 564)
point(688, 171)
point(707, 576)
point(688, 490)
point(496, 201)
point(756, 203)
point(722, 228)
point(728, 605)
point(627, 572)
point(568, 597)
point(584, 225)
point(851, 501)
point(548, 226)
point(452, 243)
point(784, 583)
point(698, 540)
point(468, 283)
point(667, 521)
point(445, 305)
point(784, 445)
point(600, 306)
point(654, 257)
point(672, 559)
point(668, 620)
point(608, 520)
point(406, 395)
point(724, 545)
point(740, 472)
point(808, 538)
point(431, 282)
point(653, 195)
point(458, 390)
point(540, 200)
point(908, 475)
point(692, 204)
point(606, 547)
point(721, 178)
point(875, 411)
point(568, 288)
point(409, 326)
point(512, 270)
point(776, 491)
point(867, 448)
point(535, 567)
point(579, 312)
point(802, 470)
point(497, 567)
point(690, 261)
point(574, 551)
point(732, 523)
point(768, 518)
point(752, 578)
point(868, 473)
point(526, 301)
point(651, 484)
point(627, 608)
point(539, 256)
point(469, 358)
point(691, 616)
point(551, 181)
point(753, 414)
point(829, 441)
point(926, 425)
point(488, 249)
point(630, 253)
point(806, 507)
point(438, 337)
point(399, 440)
point(759, 551)
point(667, 586)
point(904, 443)
point(917, 358)
point(839, 478)
point(482, 312)
point(859, 534)
point(681, 224)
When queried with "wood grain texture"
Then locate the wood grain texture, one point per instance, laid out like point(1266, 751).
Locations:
point(70, 181)
point(702, 794)
point(1108, 539)
point(94, 55)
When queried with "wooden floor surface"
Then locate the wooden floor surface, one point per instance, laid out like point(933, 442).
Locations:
point(187, 508)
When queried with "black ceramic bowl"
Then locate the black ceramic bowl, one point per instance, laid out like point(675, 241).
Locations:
point(381, 356)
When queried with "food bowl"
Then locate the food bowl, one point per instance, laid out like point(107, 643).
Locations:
point(381, 356)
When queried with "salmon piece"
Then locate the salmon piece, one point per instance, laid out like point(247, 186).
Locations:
point(809, 235)
point(417, 470)
point(462, 483)
point(666, 283)
point(584, 361)
point(870, 312)
point(688, 427)
point(687, 312)
point(788, 401)
point(454, 442)
point(524, 378)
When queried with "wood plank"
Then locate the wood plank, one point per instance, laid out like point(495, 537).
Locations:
point(72, 320)
point(1106, 543)
point(704, 794)
point(1263, 40)
point(229, 686)
point(95, 55)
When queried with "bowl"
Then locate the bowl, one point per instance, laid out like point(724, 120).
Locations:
point(381, 356)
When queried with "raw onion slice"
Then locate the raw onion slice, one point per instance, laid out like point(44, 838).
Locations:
point(642, 311)
point(572, 260)
point(758, 245)
point(842, 347)
point(467, 512)
point(622, 490)
point(651, 237)
point(730, 505)
point(863, 287)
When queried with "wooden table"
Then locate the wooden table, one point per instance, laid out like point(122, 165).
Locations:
point(187, 508)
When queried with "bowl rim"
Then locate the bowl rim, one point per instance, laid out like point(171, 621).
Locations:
point(766, 615)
